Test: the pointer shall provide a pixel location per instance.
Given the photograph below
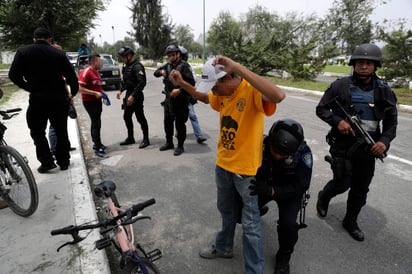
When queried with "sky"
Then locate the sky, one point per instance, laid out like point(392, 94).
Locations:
point(114, 23)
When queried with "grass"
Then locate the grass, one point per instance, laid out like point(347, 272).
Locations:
point(8, 90)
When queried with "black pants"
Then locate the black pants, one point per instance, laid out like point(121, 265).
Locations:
point(55, 110)
point(137, 109)
point(176, 111)
point(94, 109)
point(287, 227)
point(354, 173)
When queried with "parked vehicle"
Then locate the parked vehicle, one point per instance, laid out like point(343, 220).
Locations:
point(110, 72)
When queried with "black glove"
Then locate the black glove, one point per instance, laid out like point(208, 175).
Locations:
point(260, 188)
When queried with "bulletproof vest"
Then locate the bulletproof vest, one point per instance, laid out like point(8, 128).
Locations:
point(129, 75)
point(363, 105)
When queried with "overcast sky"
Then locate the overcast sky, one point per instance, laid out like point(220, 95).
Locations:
point(115, 21)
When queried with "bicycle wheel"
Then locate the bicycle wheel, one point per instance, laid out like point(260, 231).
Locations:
point(133, 267)
point(18, 186)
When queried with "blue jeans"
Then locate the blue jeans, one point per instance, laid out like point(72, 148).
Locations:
point(229, 205)
point(195, 123)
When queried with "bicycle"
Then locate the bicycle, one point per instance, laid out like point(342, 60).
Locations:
point(117, 230)
point(17, 184)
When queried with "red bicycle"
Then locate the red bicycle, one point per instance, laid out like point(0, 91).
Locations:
point(118, 230)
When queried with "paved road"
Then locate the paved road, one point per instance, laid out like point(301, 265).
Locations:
point(185, 217)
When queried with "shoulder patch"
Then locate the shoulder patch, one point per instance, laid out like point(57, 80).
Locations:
point(307, 159)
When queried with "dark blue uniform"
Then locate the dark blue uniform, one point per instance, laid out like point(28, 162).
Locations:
point(41, 70)
point(290, 178)
point(353, 165)
point(134, 81)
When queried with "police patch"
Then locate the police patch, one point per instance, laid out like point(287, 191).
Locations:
point(141, 72)
point(307, 159)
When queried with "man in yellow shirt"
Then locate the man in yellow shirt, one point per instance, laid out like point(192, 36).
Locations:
point(242, 98)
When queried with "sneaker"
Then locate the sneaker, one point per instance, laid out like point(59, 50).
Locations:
point(100, 152)
point(144, 143)
point(45, 168)
point(166, 146)
point(178, 151)
point(201, 139)
point(101, 146)
point(212, 253)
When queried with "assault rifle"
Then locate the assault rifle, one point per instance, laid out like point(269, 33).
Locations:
point(355, 123)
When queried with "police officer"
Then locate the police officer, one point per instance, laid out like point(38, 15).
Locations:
point(42, 69)
point(284, 176)
point(177, 99)
point(353, 161)
point(134, 81)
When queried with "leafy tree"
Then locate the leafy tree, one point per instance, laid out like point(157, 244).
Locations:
point(225, 36)
point(397, 53)
point(68, 20)
point(348, 23)
point(183, 35)
point(152, 29)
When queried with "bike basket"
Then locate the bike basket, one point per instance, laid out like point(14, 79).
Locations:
point(2, 130)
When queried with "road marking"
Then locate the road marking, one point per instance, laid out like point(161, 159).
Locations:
point(396, 158)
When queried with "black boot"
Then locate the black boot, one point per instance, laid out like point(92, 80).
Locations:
point(282, 262)
point(128, 141)
point(322, 204)
point(353, 229)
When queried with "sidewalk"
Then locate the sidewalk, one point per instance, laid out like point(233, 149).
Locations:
point(65, 198)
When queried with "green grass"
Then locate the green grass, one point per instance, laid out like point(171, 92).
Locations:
point(4, 66)
point(337, 69)
point(8, 90)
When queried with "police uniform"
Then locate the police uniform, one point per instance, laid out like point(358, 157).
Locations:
point(290, 178)
point(40, 69)
point(134, 81)
point(176, 108)
point(352, 164)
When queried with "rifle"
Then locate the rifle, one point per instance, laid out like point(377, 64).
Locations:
point(355, 123)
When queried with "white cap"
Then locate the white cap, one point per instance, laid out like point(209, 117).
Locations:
point(210, 74)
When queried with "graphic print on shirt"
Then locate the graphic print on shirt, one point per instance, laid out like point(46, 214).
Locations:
point(229, 129)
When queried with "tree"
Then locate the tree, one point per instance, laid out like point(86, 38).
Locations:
point(397, 53)
point(152, 29)
point(225, 36)
point(348, 23)
point(184, 36)
point(68, 20)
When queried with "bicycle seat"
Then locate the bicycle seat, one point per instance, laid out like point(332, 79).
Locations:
point(105, 188)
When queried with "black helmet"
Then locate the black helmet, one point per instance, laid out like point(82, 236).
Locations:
point(367, 52)
point(126, 50)
point(286, 136)
point(184, 53)
point(172, 48)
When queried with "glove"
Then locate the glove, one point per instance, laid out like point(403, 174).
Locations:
point(260, 188)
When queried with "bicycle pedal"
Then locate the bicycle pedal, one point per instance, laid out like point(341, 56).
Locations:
point(103, 243)
point(154, 255)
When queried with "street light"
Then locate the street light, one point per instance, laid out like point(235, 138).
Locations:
point(101, 42)
point(204, 35)
point(113, 35)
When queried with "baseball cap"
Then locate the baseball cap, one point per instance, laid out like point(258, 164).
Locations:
point(210, 74)
point(42, 33)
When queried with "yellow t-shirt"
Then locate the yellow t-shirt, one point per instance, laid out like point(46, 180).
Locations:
point(239, 148)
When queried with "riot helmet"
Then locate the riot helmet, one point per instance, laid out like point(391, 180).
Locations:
point(286, 136)
point(172, 48)
point(367, 52)
point(126, 50)
point(184, 53)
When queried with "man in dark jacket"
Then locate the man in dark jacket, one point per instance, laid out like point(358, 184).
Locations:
point(41, 70)
point(284, 177)
point(134, 81)
point(353, 159)
point(175, 105)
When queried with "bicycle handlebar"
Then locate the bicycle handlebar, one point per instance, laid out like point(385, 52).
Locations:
point(132, 211)
point(6, 116)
